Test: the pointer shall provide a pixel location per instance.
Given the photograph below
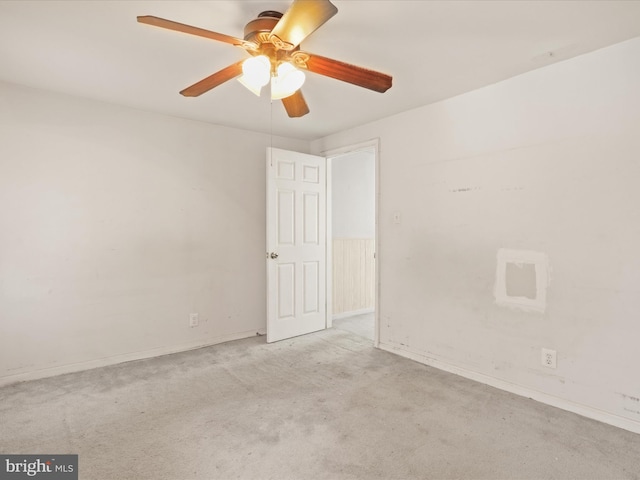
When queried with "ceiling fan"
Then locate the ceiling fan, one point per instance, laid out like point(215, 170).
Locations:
point(273, 43)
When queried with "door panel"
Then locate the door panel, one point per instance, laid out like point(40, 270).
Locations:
point(286, 217)
point(286, 290)
point(311, 218)
point(311, 286)
point(296, 244)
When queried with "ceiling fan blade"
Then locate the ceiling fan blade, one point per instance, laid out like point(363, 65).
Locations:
point(362, 77)
point(301, 19)
point(218, 78)
point(295, 105)
point(201, 32)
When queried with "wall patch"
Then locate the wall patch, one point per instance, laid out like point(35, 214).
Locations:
point(522, 277)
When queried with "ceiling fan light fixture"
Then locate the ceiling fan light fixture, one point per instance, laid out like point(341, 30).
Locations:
point(249, 86)
point(273, 40)
point(256, 72)
point(287, 81)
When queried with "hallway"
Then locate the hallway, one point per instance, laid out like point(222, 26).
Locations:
point(362, 325)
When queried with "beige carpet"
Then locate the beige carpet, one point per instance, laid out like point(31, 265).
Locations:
point(322, 406)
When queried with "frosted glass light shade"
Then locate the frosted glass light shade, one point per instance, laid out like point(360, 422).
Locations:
point(287, 81)
point(256, 72)
point(249, 86)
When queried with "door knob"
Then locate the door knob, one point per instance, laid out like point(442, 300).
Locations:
point(274, 255)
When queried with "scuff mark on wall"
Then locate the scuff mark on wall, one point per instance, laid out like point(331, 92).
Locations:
point(464, 189)
point(631, 404)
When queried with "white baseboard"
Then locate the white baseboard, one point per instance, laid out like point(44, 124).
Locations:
point(127, 357)
point(353, 313)
point(584, 410)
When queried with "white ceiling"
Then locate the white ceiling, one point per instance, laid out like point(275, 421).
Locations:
point(433, 50)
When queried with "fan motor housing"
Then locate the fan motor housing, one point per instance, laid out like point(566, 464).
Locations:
point(258, 30)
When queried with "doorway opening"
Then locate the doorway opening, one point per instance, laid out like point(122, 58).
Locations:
point(352, 235)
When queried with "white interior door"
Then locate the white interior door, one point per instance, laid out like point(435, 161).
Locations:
point(296, 244)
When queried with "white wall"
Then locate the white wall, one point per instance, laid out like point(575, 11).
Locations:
point(547, 161)
point(115, 224)
point(353, 190)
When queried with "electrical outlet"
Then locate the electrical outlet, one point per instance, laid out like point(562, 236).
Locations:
point(549, 358)
point(193, 320)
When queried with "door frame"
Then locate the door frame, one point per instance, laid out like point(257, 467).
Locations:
point(331, 155)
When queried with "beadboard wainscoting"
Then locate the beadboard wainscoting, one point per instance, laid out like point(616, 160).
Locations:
point(353, 275)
